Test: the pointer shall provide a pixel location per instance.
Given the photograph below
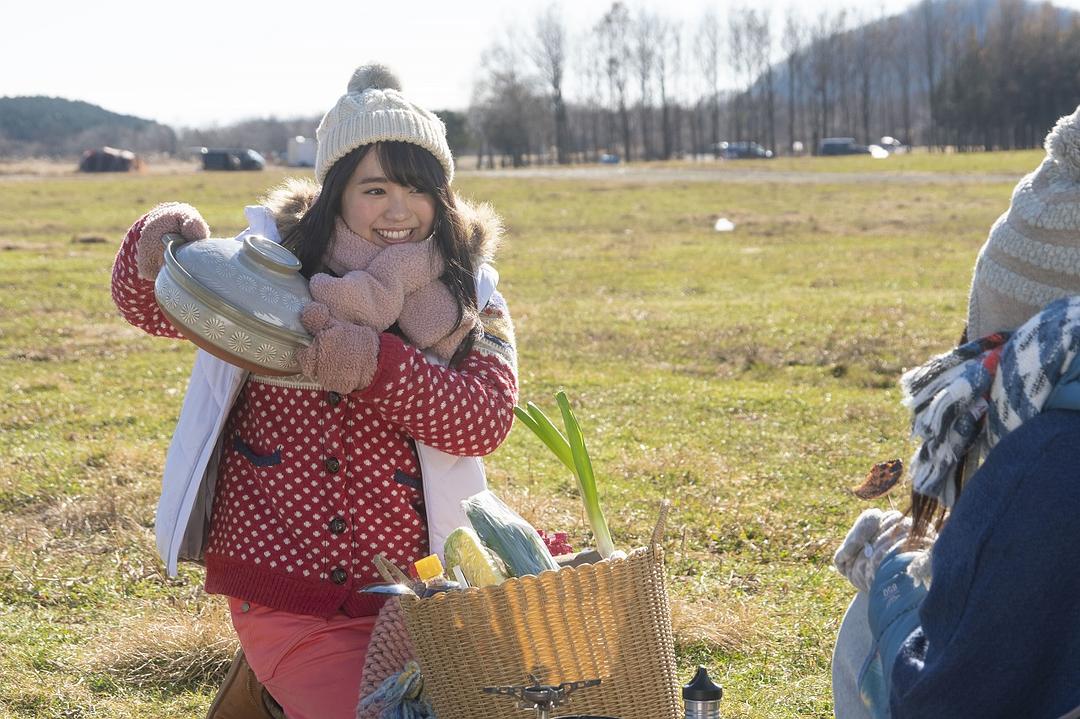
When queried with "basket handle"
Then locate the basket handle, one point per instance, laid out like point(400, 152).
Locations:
point(389, 571)
point(661, 523)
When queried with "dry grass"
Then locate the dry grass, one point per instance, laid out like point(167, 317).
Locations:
point(749, 377)
point(168, 647)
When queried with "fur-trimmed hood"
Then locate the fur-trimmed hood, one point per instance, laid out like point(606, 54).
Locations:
point(290, 200)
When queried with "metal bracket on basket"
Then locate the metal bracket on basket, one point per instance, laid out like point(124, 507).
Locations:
point(542, 698)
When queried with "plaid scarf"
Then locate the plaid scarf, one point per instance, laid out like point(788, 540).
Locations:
point(971, 397)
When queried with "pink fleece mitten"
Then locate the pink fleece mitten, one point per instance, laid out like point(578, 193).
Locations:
point(429, 320)
point(343, 356)
point(163, 219)
point(374, 296)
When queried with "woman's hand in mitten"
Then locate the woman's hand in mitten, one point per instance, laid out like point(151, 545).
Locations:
point(375, 296)
point(343, 356)
point(429, 320)
point(874, 536)
point(169, 217)
point(448, 345)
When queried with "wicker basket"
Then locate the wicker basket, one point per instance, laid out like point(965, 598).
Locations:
point(610, 620)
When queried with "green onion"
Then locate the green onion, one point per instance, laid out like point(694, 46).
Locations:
point(572, 453)
point(535, 419)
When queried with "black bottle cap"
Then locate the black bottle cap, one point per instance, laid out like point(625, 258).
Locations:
point(701, 688)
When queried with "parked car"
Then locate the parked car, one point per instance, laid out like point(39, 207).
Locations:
point(232, 159)
point(842, 146)
point(743, 151)
point(894, 146)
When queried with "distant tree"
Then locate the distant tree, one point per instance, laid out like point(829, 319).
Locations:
point(899, 40)
point(614, 29)
point(824, 59)
point(549, 54)
point(867, 51)
point(709, 45)
point(457, 131)
point(590, 61)
point(643, 53)
point(793, 46)
point(668, 63)
point(757, 25)
point(506, 104)
point(740, 60)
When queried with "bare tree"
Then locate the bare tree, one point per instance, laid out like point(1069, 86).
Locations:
point(900, 52)
point(824, 59)
point(549, 54)
point(590, 60)
point(667, 64)
point(930, 36)
point(740, 61)
point(644, 58)
point(614, 28)
point(709, 44)
point(505, 105)
point(867, 48)
point(793, 48)
point(759, 48)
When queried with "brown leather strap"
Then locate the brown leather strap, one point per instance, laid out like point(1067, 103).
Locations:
point(241, 696)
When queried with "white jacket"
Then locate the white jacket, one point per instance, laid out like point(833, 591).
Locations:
point(187, 488)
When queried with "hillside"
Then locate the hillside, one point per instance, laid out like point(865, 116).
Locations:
point(55, 127)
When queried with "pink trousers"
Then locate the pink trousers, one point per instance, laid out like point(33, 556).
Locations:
point(310, 665)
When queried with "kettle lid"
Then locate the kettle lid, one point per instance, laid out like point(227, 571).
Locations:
point(701, 688)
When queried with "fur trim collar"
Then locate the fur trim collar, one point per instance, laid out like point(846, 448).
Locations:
point(290, 200)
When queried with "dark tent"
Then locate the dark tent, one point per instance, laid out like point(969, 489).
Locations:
point(109, 159)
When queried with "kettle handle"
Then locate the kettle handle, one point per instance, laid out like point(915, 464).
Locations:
point(172, 237)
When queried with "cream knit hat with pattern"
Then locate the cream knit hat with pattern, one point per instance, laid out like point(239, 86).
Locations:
point(1032, 256)
point(374, 110)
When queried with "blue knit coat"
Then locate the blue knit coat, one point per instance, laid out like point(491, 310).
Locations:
point(1000, 626)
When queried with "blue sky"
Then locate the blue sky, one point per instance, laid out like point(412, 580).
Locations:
point(199, 62)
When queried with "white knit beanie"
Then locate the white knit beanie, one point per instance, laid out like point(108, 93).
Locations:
point(1032, 256)
point(374, 110)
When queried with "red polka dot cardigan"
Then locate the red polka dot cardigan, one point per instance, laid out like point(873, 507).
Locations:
point(312, 484)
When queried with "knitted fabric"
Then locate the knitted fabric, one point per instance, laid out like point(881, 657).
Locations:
point(423, 307)
point(374, 110)
point(168, 217)
point(1032, 256)
point(1005, 379)
point(374, 296)
point(389, 651)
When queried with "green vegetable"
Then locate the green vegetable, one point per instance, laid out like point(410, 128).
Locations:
point(480, 567)
point(508, 535)
point(573, 453)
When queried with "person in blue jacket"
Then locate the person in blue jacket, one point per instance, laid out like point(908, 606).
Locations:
point(970, 606)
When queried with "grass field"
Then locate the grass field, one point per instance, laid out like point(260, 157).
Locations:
point(748, 376)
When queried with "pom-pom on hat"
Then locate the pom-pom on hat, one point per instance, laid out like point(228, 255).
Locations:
point(374, 110)
point(1032, 256)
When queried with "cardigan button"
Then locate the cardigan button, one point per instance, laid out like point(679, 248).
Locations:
point(334, 398)
point(337, 525)
point(338, 576)
point(332, 464)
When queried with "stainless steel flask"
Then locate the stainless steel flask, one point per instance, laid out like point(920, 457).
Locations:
point(701, 696)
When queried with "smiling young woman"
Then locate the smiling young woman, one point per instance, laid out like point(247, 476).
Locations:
point(315, 475)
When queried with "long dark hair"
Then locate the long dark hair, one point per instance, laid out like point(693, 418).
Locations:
point(405, 164)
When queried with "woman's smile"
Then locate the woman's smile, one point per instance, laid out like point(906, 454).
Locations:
point(394, 237)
